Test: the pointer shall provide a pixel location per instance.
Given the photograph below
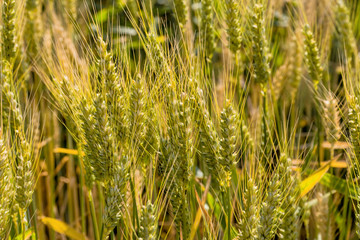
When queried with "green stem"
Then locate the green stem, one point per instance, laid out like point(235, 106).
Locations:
point(33, 210)
point(72, 190)
point(22, 216)
point(81, 192)
point(93, 216)
point(227, 202)
point(102, 232)
point(209, 85)
point(136, 220)
point(318, 121)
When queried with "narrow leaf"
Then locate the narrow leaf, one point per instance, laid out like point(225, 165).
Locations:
point(340, 185)
point(27, 234)
point(62, 228)
point(198, 213)
point(66, 151)
point(309, 183)
point(103, 15)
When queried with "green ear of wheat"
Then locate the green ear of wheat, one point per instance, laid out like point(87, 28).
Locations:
point(207, 28)
point(289, 227)
point(259, 45)
point(312, 57)
point(6, 191)
point(115, 194)
point(228, 125)
point(249, 222)
point(233, 24)
point(8, 30)
point(148, 223)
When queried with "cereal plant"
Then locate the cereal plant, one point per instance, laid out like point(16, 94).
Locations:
point(184, 119)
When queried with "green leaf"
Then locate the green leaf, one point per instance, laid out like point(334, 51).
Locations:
point(136, 44)
point(309, 157)
point(340, 185)
point(62, 228)
point(103, 15)
point(27, 234)
point(214, 205)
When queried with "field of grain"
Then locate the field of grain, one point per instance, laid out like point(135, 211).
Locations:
point(183, 119)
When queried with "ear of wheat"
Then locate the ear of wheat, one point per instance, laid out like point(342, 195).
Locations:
point(312, 56)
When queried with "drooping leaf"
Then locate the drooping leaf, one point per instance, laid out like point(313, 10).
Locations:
point(62, 228)
point(309, 183)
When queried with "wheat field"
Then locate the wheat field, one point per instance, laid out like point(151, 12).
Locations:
point(184, 119)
